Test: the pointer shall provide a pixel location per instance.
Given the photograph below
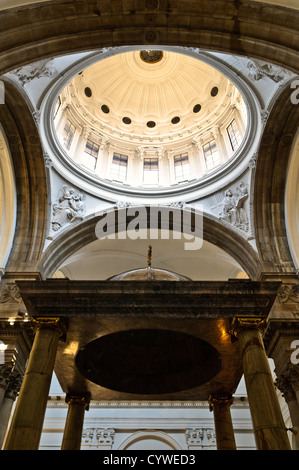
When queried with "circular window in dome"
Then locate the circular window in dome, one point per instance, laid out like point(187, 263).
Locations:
point(175, 120)
point(105, 109)
point(151, 124)
point(197, 108)
point(214, 91)
point(151, 57)
point(127, 120)
point(88, 92)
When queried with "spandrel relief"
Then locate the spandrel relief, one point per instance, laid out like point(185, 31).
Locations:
point(39, 69)
point(233, 210)
point(70, 208)
point(259, 69)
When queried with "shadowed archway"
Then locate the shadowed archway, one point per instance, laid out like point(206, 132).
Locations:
point(84, 233)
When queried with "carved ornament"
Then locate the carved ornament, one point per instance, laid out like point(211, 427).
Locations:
point(70, 208)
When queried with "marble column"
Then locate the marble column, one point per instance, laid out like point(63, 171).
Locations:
point(26, 427)
point(11, 393)
point(225, 437)
point(269, 428)
point(74, 422)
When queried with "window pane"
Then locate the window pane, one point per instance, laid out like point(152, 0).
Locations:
point(150, 171)
point(182, 166)
point(91, 148)
point(119, 167)
point(234, 135)
point(68, 134)
point(89, 159)
point(211, 154)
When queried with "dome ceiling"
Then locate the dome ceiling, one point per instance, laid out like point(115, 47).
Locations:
point(151, 121)
point(149, 95)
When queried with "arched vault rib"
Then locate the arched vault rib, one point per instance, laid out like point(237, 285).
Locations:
point(270, 185)
point(30, 180)
point(248, 28)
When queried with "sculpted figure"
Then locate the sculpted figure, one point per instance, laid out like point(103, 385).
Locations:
point(70, 208)
point(232, 208)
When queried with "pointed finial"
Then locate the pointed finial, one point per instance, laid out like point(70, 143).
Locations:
point(149, 256)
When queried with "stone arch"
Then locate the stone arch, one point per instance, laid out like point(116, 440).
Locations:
point(247, 28)
point(30, 181)
point(158, 436)
point(292, 198)
point(213, 231)
point(270, 186)
point(7, 201)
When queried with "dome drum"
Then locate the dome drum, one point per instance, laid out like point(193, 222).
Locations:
point(138, 134)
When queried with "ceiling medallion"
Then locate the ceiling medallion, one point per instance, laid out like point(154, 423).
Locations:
point(151, 57)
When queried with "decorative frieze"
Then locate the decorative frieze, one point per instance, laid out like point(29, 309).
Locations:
point(200, 437)
point(98, 437)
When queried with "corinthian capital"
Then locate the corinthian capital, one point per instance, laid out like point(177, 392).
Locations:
point(242, 323)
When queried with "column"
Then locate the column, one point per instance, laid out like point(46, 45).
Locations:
point(284, 384)
point(74, 422)
point(11, 393)
point(225, 437)
point(27, 422)
point(293, 377)
point(269, 428)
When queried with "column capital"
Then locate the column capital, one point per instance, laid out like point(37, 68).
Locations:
point(56, 323)
point(14, 385)
point(221, 400)
point(292, 376)
point(285, 386)
point(81, 399)
point(5, 374)
point(242, 323)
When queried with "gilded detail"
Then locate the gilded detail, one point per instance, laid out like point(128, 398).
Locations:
point(242, 323)
point(56, 323)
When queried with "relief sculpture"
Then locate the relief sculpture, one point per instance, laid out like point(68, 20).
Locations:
point(233, 210)
point(70, 208)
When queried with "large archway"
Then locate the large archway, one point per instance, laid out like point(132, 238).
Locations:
point(80, 235)
point(248, 28)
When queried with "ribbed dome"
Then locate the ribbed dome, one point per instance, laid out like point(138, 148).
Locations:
point(128, 95)
point(149, 274)
point(150, 121)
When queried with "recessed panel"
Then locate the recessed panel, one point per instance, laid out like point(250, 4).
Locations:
point(148, 361)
